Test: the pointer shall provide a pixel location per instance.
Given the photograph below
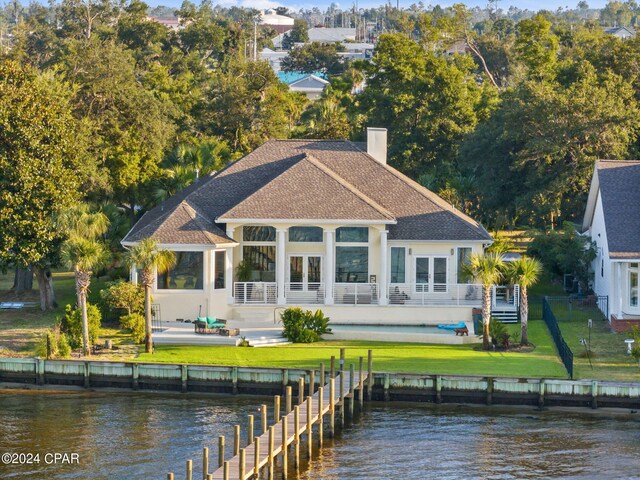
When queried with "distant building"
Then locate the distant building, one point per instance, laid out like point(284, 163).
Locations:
point(311, 84)
point(323, 35)
point(280, 23)
point(273, 57)
point(170, 23)
point(622, 33)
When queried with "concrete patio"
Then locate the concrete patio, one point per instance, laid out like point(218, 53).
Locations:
point(258, 334)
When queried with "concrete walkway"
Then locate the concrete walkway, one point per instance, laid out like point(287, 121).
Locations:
point(257, 333)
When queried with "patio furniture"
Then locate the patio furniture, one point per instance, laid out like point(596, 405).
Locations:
point(209, 325)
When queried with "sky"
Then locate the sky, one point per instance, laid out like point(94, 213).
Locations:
point(297, 4)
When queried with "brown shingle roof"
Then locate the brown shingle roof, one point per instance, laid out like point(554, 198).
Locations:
point(296, 192)
point(314, 179)
point(620, 192)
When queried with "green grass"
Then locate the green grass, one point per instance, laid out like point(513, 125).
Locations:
point(390, 357)
point(20, 330)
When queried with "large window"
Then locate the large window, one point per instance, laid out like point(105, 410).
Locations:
point(262, 259)
point(398, 265)
point(258, 234)
point(634, 271)
point(352, 264)
point(352, 235)
point(187, 274)
point(218, 267)
point(305, 234)
point(464, 255)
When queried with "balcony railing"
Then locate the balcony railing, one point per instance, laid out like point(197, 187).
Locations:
point(355, 293)
point(304, 293)
point(298, 293)
point(255, 292)
point(435, 294)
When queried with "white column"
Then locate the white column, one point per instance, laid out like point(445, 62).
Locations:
point(229, 269)
point(329, 267)
point(134, 275)
point(280, 265)
point(619, 290)
point(383, 288)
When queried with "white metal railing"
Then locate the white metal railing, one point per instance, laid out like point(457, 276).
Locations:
point(355, 293)
point(435, 294)
point(505, 296)
point(255, 292)
point(311, 293)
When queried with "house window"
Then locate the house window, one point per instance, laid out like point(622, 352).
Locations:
point(262, 259)
point(258, 234)
point(305, 234)
point(464, 255)
point(352, 264)
point(187, 274)
point(352, 235)
point(634, 270)
point(218, 267)
point(398, 259)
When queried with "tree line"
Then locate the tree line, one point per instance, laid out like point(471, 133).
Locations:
point(103, 107)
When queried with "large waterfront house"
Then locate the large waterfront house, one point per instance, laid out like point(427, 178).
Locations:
point(612, 220)
point(316, 223)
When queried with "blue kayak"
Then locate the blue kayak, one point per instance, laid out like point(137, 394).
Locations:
point(453, 326)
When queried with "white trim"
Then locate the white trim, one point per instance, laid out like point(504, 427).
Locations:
point(453, 243)
point(304, 221)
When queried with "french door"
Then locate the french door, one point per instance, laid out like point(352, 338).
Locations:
point(431, 274)
point(305, 272)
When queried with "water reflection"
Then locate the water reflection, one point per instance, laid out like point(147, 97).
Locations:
point(130, 436)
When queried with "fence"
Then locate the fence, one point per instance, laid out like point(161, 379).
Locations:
point(572, 308)
point(566, 355)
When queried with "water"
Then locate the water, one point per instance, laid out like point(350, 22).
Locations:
point(131, 436)
point(430, 329)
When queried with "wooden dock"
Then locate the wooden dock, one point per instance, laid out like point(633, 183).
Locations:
point(335, 398)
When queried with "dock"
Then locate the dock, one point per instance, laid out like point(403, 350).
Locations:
point(335, 397)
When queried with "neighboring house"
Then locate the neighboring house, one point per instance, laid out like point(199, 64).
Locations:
point(622, 33)
point(170, 23)
point(319, 224)
point(612, 220)
point(273, 57)
point(311, 84)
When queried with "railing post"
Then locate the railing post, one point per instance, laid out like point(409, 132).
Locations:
point(205, 463)
point(250, 429)
point(276, 409)
point(332, 406)
point(296, 434)
point(320, 414)
point(241, 464)
point(289, 394)
point(256, 457)
point(309, 427)
point(285, 446)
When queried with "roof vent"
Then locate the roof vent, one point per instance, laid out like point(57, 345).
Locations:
point(377, 143)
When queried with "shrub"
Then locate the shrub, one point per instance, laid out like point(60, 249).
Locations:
point(498, 333)
point(136, 323)
point(304, 326)
point(72, 324)
point(54, 344)
point(123, 296)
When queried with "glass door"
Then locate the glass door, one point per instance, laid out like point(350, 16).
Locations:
point(422, 274)
point(431, 274)
point(305, 272)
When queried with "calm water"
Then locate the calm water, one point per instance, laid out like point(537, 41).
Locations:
point(135, 436)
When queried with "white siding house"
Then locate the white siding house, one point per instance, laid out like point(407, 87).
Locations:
point(612, 220)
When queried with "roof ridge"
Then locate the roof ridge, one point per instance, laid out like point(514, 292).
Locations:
point(429, 195)
point(193, 213)
point(325, 169)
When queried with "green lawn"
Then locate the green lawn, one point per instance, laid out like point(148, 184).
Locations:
point(391, 357)
point(20, 330)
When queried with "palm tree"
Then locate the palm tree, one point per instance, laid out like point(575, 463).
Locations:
point(83, 252)
point(148, 258)
point(485, 269)
point(525, 272)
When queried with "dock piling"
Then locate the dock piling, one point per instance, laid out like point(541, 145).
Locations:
point(332, 407)
point(256, 457)
point(296, 434)
point(205, 463)
point(236, 439)
point(361, 383)
point(285, 452)
point(369, 374)
point(309, 427)
point(312, 382)
point(250, 429)
point(288, 395)
point(276, 409)
point(320, 415)
point(272, 434)
point(241, 464)
point(220, 451)
point(263, 414)
point(189, 470)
